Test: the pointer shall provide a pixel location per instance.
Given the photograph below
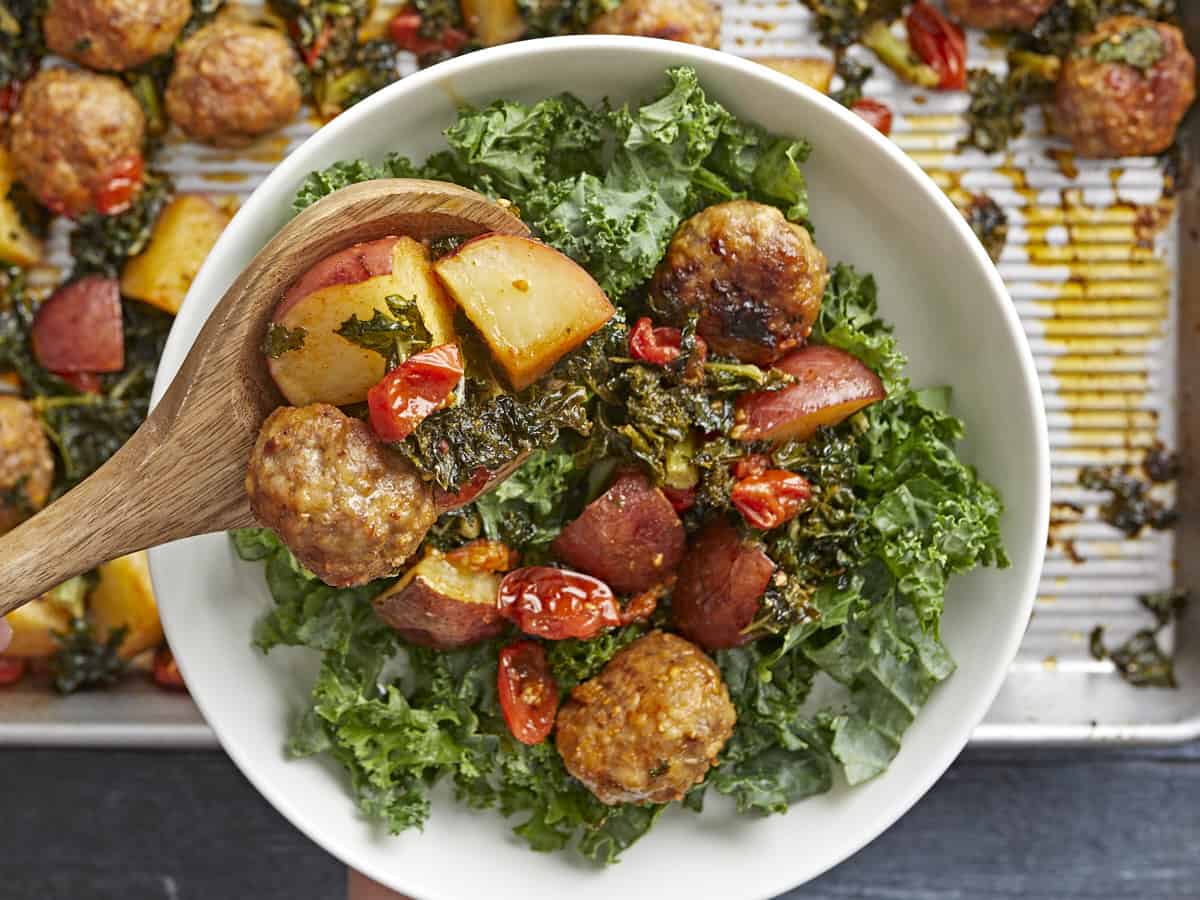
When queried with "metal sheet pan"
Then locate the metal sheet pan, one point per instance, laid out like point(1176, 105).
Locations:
point(1097, 281)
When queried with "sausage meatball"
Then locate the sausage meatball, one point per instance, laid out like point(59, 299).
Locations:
point(755, 278)
point(233, 82)
point(649, 726)
point(1125, 88)
point(72, 133)
point(690, 21)
point(26, 464)
point(348, 507)
point(114, 34)
point(1003, 15)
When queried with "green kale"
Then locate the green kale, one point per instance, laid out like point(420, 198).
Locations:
point(1140, 660)
point(530, 507)
point(1130, 505)
point(453, 444)
point(280, 340)
point(1061, 26)
point(853, 75)
point(996, 112)
point(841, 23)
point(341, 174)
point(394, 336)
point(103, 243)
point(1141, 48)
point(573, 662)
point(22, 44)
point(84, 661)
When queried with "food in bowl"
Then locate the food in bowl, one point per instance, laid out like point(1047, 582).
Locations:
point(730, 498)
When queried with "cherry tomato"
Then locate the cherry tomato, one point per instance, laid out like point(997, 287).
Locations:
point(940, 44)
point(768, 500)
point(682, 499)
point(466, 493)
point(557, 603)
point(12, 670)
point(10, 94)
point(166, 672)
point(484, 556)
point(749, 466)
point(528, 695)
point(84, 382)
point(317, 47)
point(116, 191)
point(405, 32)
point(657, 346)
point(420, 385)
point(876, 114)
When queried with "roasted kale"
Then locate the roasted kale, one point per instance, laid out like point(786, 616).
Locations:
point(84, 661)
point(1130, 507)
point(841, 23)
point(853, 75)
point(396, 336)
point(989, 223)
point(22, 44)
point(551, 17)
point(103, 243)
point(1060, 27)
point(996, 112)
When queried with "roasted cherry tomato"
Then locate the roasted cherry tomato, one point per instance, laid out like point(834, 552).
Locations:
point(417, 387)
point(940, 44)
point(10, 95)
point(405, 32)
point(876, 114)
point(557, 603)
point(166, 671)
point(748, 466)
point(771, 498)
point(115, 193)
point(84, 382)
point(484, 555)
point(314, 50)
point(682, 499)
point(657, 346)
point(466, 493)
point(528, 695)
point(11, 670)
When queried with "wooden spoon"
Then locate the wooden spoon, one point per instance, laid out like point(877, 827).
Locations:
point(183, 472)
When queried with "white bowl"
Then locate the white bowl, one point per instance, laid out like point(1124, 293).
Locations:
point(872, 206)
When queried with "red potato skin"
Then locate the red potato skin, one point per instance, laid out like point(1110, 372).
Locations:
point(831, 386)
point(720, 582)
point(79, 329)
point(629, 537)
point(349, 266)
point(426, 617)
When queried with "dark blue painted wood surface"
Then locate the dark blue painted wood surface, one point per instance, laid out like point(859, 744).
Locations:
point(1028, 824)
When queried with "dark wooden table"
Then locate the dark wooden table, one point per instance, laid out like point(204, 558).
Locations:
point(1029, 824)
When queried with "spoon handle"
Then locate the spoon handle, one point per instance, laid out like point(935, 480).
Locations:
point(155, 489)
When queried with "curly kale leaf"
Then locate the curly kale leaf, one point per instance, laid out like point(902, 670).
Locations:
point(84, 661)
point(324, 182)
point(103, 243)
point(22, 43)
point(394, 336)
point(531, 506)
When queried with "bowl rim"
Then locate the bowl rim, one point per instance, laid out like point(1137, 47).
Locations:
point(673, 53)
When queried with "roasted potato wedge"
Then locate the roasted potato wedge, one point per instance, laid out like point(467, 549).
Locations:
point(493, 21)
point(125, 597)
point(17, 244)
point(814, 71)
point(629, 537)
point(441, 605)
point(34, 624)
point(530, 303)
point(831, 385)
point(162, 273)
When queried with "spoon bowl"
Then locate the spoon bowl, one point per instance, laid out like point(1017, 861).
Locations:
point(182, 472)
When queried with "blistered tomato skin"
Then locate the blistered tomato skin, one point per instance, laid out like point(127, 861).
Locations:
point(769, 499)
point(416, 388)
point(115, 192)
point(877, 115)
point(940, 43)
point(556, 604)
point(527, 692)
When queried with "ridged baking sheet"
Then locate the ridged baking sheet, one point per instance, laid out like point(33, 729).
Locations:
point(1088, 262)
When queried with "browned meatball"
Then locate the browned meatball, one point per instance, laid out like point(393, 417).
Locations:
point(26, 465)
point(1005, 15)
point(348, 507)
point(233, 82)
point(690, 21)
point(72, 132)
point(649, 726)
point(1125, 88)
point(755, 278)
point(114, 34)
